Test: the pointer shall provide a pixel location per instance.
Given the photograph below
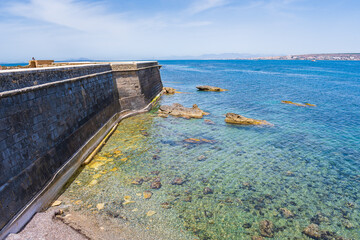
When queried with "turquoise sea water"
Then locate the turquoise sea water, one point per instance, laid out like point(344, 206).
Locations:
point(308, 162)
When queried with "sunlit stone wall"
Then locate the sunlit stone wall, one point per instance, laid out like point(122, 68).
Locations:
point(48, 114)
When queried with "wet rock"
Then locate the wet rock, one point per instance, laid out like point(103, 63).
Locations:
point(286, 213)
point(266, 228)
point(198, 141)
point(257, 238)
point(169, 90)
point(201, 158)
point(319, 218)
point(147, 194)
point(294, 103)
point(208, 190)
point(187, 199)
point(179, 110)
point(207, 121)
point(137, 181)
point(238, 119)
point(210, 88)
point(165, 205)
point(156, 157)
point(155, 185)
point(177, 181)
point(247, 225)
point(313, 231)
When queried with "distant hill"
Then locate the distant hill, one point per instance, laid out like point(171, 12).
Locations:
point(325, 56)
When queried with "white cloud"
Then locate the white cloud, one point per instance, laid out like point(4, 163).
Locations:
point(79, 15)
point(203, 5)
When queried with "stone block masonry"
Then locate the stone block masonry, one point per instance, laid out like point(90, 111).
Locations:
point(51, 116)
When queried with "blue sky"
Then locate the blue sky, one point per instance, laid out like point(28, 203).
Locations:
point(144, 29)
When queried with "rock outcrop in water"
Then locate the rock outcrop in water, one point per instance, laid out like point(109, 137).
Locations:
point(313, 231)
point(238, 119)
point(286, 213)
point(179, 110)
point(210, 89)
point(299, 104)
point(169, 90)
point(267, 228)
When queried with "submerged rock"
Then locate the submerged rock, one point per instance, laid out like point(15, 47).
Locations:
point(210, 88)
point(137, 181)
point(319, 218)
point(257, 238)
point(208, 190)
point(201, 158)
point(286, 213)
point(179, 110)
point(238, 119)
point(165, 205)
point(177, 181)
point(187, 199)
point(147, 194)
point(169, 90)
point(294, 103)
point(201, 140)
point(266, 228)
point(313, 231)
point(155, 185)
point(207, 121)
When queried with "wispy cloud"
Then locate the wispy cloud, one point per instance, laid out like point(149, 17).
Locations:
point(78, 15)
point(203, 5)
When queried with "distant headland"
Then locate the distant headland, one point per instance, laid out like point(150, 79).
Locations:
point(326, 56)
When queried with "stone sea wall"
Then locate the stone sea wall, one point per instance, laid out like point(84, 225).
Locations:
point(48, 115)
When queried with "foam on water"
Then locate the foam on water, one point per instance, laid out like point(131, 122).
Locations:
point(308, 163)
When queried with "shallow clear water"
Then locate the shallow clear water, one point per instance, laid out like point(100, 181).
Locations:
point(308, 162)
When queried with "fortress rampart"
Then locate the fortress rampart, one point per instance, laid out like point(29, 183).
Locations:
point(51, 119)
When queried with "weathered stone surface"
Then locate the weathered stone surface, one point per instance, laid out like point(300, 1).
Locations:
point(169, 90)
point(179, 110)
point(238, 119)
point(210, 88)
point(266, 228)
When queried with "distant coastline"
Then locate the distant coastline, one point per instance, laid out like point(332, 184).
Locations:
point(326, 56)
